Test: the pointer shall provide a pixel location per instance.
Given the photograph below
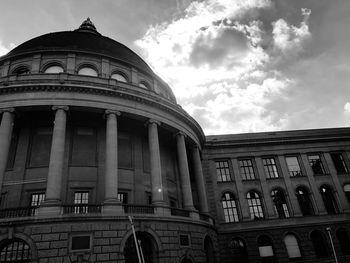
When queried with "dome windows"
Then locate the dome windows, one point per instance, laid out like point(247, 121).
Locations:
point(87, 71)
point(54, 69)
point(119, 77)
point(21, 70)
point(144, 85)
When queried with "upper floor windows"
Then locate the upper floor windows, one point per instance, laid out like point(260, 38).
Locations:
point(119, 77)
point(347, 191)
point(316, 164)
point(255, 205)
point(81, 200)
point(247, 169)
point(329, 200)
point(293, 166)
point(270, 167)
point(87, 71)
point(222, 171)
point(280, 203)
point(339, 163)
point(144, 85)
point(54, 69)
point(21, 70)
point(230, 208)
point(304, 201)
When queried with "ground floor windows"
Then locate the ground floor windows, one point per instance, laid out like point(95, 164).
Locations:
point(344, 240)
point(266, 252)
point(239, 250)
point(319, 243)
point(14, 250)
point(292, 246)
point(147, 244)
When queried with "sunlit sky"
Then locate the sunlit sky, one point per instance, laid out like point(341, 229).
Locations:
point(234, 65)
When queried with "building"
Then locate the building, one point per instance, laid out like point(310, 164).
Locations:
point(89, 136)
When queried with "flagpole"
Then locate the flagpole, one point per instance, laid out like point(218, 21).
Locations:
point(135, 239)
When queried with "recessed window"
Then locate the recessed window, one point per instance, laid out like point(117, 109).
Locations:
point(144, 85)
point(266, 249)
point(222, 171)
point(280, 203)
point(293, 166)
point(329, 200)
point(81, 201)
point(184, 240)
point(22, 70)
point(119, 77)
point(339, 163)
point(292, 247)
point(15, 250)
point(316, 164)
point(270, 167)
point(80, 243)
point(247, 169)
point(347, 191)
point(239, 250)
point(319, 243)
point(37, 198)
point(255, 206)
point(344, 240)
point(84, 145)
point(230, 208)
point(87, 71)
point(41, 140)
point(123, 197)
point(54, 69)
point(304, 201)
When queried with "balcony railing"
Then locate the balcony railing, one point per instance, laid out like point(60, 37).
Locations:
point(18, 212)
point(138, 209)
point(81, 209)
point(180, 212)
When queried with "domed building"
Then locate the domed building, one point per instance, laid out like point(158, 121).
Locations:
point(93, 146)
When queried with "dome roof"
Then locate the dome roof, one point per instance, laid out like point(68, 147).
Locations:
point(85, 38)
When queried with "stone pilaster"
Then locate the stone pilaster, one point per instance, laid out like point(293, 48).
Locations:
point(198, 172)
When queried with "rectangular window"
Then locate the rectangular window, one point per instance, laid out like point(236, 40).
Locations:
point(80, 243)
point(35, 201)
point(123, 197)
point(184, 240)
point(222, 171)
point(12, 150)
point(270, 167)
point(247, 169)
point(124, 151)
point(81, 200)
point(339, 163)
point(316, 164)
point(40, 147)
point(84, 147)
point(293, 166)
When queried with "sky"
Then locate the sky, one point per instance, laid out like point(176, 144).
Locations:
point(235, 66)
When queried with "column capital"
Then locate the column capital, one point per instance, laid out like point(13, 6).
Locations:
point(151, 121)
point(11, 110)
point(55, 108)
point(115, 112)
point(180, 133)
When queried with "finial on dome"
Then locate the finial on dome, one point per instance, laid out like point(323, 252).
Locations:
point(88, 27)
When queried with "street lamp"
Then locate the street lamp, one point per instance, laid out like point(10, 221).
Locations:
point(330, 238)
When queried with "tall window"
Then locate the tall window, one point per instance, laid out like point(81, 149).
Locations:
point(344, 240)
point(255, 206)
point(40, 147)
point(280, 203)
point(266, 249)
point(81, 200)
point(230, 209)
point(239, 250)
point(347, 191)
point(35, 201)
point(339, 163)
point(247, 169)
point(270, 167)
point(319, 244)
point(84, 147)
point(293, 166)
point(222, 171)
point(304, 201)
point(123, 197)
point(15, 250)
point(329, 200)
point(316, 164)
point(292, 247)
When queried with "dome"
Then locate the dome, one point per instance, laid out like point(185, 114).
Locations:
point(85, 39)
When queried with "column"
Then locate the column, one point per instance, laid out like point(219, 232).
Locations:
point(198, 172)
point(54, 179)
point(289, 187)
point(339, 192)
point(184, 172)
point(156, 170)
point(270, 212)
point(5, 139)
point(319, 206)
point(111, 169)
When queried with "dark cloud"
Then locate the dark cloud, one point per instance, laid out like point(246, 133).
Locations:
point(213, 50)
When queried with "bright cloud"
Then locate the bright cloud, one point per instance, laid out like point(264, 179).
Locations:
point(347, 108)
point(4, 50)
point(220, 61)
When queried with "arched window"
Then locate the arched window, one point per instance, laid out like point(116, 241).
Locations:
point(319, 243)
point(239, 250)
point(292, 247)
point(344, 240)
point(266, 249)
point(54, 69)
point(144, 85)
point(347, 191)
point(230, 209)
point(328, 199)
point(255, 207)
point(14, 250)
point(304, 201)
point(280, 203)
point(22, 70)
point(87, 71)
point(119, 77)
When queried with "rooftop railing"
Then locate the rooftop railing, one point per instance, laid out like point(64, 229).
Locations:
point(138, 209)
point(81, 209)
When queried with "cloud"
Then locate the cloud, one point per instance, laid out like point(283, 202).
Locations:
point(3, 49)
point(347, 108)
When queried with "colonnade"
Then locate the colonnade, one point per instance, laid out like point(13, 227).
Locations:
point(55, 171)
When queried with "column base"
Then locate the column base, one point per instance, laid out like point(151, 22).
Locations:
point(162, 211)
point(112, 207)
point(50, 208)
point(194, 214)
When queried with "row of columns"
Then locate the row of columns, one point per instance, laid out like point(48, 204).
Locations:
point(55, 171)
